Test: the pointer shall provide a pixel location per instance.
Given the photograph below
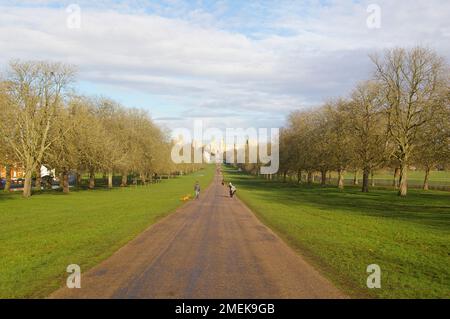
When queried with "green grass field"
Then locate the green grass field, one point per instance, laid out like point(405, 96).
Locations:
point(40, 236)
point(437, 179)
point(342, 232)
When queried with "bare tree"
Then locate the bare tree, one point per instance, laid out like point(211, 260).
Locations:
point(339, 137)
point(289, 154)
point(433, 147)
point(90, 139)
point(368, 128)
point(411, 81)
point(62, 155)
point(37, 91)
point(114, 121)
point(7, 156)
point(301, 128)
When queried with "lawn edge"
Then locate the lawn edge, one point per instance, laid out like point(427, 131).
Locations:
point(328, 272)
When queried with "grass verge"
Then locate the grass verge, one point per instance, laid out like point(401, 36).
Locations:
point(342, 232)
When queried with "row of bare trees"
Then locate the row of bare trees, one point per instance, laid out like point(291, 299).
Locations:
point(44, 122)
point(399, 118)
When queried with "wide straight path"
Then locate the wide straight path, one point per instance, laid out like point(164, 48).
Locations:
point(213, 247)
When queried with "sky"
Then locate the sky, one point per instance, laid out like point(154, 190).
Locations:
point(230, 63)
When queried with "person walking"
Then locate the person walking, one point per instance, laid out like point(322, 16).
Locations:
point(232, 189)
point(197, 190)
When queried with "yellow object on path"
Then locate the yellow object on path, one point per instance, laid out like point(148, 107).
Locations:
point(186, 198)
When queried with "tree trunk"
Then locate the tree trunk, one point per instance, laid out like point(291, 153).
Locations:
point(365, 185)
point(61, 180)
point(426, 185)
point(64, 181)
point(91, 179)
point(150, 178)
point(27, 183)
point(8, 178)
point(299, 176)
point(396, 177)
point(403, 188)
point(372, 179)
point(284, 176)
point(310, 178)
point(355, 178)
point(324, 177)
point(78, 179)
point(38, 182)
point(124, 180)
point(110, 179)
point(340, 179)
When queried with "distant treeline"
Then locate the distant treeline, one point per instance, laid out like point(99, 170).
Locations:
point(397, 119)
point(44, 122)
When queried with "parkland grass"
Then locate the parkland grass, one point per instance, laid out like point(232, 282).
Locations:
point(438, 180)
point(342, 232)
point(41, 236)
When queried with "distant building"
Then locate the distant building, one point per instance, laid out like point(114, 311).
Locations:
point(16, 172)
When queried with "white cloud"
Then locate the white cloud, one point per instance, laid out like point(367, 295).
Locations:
point(200, 60)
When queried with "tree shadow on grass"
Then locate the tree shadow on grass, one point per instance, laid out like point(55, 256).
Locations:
point(431, 209)
point(7, 196)
point(100, 186)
